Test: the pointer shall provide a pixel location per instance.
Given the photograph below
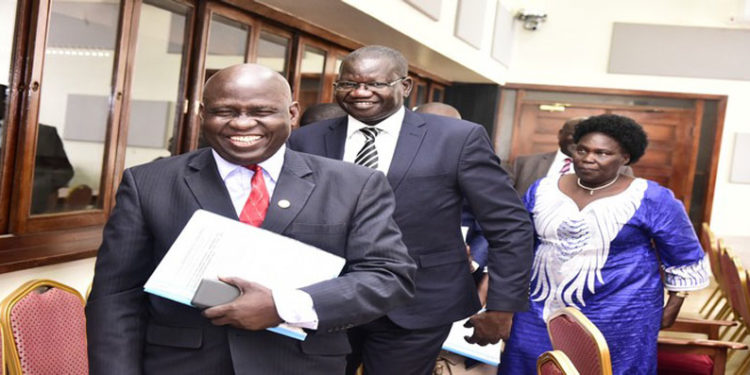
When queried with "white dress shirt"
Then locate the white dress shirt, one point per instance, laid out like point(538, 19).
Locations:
point(385, 142)
point(557, 164)
point(294, 306)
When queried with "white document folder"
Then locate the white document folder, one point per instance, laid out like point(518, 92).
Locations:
point(211, 245)
point(455, 343)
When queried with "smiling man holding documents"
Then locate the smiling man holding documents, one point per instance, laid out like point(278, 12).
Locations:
point(247, 174)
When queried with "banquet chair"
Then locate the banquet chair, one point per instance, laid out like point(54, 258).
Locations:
point(555, 362)
point(708, 356)
point(45, 329)
point(2, 352)
point(574, 334)
point(717, 301)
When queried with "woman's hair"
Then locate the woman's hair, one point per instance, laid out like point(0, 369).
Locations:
point(624, 130)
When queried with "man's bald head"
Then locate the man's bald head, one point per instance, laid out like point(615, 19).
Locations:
point(440, 109)
point(242, 74)
point(247, 112)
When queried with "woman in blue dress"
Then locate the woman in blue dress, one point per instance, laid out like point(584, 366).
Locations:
point(601, 240)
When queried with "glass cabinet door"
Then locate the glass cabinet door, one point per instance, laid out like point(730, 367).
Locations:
point(74, 106)
point(228, 42)
point(155, 91)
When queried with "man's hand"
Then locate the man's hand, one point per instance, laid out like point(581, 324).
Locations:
point(253, 310)
point(489, 327)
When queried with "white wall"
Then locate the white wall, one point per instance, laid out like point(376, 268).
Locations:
point(572, 49)
point(77, 274)
point(8, 10)
point(439, 35)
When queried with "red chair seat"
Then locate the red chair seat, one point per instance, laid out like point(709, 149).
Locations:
point(672, 363)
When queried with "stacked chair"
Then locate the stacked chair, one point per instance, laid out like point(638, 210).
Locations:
point(722, 338)
point(555, 362)
point(574, 335)
point(44, 329)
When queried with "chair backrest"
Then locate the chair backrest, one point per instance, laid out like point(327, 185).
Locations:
point(732, 285)
point(45, 329)
point(574, 334)
point(555, 362)
point(711, 247)
point(2, 352)
point(78, 197)
point(736, 280)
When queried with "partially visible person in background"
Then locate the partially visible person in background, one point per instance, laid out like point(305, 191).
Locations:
point(52, 169)
point(440, 109)
point(602, 240)
point(526, 169)
point(320, 112)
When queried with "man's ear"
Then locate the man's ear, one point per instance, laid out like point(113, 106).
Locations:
point(408, 85)
point(294, 112)
point(627, 158)
point(201, 109)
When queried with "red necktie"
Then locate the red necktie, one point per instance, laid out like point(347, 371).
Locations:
point(566, 167)
point(256, 205)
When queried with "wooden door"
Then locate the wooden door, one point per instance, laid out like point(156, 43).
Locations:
point(669, 158)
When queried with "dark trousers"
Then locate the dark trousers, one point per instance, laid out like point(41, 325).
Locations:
point(384, 348)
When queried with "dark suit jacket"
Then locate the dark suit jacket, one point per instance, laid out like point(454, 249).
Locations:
point(339, 207)
point(439, 162)
point(529, 168)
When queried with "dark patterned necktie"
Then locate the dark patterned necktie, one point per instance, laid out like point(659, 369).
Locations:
point(368, 154)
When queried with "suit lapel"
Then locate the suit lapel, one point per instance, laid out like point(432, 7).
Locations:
point(409, 140)
point(546, 163)
point(295, 185)
point(204, 181)
point(336, 138)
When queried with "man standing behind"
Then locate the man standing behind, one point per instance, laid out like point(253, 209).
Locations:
point(433, 164)
point(529, 168)
point(247, 173)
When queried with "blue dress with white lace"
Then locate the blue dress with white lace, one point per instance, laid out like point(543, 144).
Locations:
point(605, 260)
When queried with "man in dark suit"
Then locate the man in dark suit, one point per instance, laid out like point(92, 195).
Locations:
point(433, 164)
point(341, 208)
point(526, 169)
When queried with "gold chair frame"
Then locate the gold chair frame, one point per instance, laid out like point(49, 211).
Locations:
point(560, 359)
point(574, 314)
point(11, 356)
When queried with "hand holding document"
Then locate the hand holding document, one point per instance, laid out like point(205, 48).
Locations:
point(211, 245)
point(455, 343)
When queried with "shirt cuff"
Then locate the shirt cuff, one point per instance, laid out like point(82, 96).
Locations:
point(296, 308)
point(688, 277)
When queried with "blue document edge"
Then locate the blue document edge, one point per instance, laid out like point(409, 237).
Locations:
point(469, 355)
point(288, 333)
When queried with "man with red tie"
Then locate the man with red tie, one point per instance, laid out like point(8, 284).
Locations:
point(246, 174)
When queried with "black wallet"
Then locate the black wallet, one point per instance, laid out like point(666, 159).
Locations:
point(214, 292)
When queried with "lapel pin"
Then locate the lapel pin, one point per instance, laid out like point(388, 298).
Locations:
point(284, 203)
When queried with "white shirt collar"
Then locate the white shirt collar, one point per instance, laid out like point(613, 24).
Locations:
point(272, 165)
point(390, 125)
point(561, 155)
